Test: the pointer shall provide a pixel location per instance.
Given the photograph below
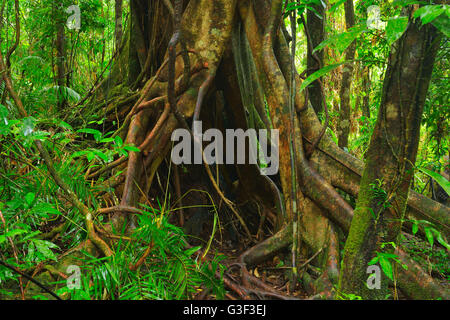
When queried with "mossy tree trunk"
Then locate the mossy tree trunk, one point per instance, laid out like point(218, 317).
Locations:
point(389, 168)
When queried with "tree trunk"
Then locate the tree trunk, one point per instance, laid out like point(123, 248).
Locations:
point(389, 168)
point(366, 90)
point(316, 28)
point(118, 23)
point(344, 114)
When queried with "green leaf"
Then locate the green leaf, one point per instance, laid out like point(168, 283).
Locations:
point(65, 125)
point(374, 260)
point(90, 156)
point(107, 140)
point(415, 227)
point(429, 235)
point(97, 134)
point(45, 209)
point(191, 251)
point(44, 246)
point(429, 13)
point(319, 73)
point(131, 148)
point(342, 40)
point(333, 135)
point(386, 266)
point(100, 154)
point(15, 232)
point(395, 28)
point(387, 255)
point(444, 183)
point(79, 153)
point(29, 197)
point(11, 234)
point(118, 140)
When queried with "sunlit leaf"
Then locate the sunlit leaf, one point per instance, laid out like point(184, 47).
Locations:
point(429, 13)
point(386, 266)
point(319, 73)
point(443, 182)
point(395, 28)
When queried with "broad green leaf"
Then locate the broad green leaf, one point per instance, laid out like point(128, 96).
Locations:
point(444, 183)
point(429, 13)
point(97, 134)
point(386, 266)
point(342, 40)
point(100, 154)
point(44, 246)
point(319, 73)
point(395, 28)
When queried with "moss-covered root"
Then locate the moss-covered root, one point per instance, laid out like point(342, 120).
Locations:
point(415, 283)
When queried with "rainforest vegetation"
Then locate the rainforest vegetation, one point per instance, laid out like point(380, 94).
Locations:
point(93, 207)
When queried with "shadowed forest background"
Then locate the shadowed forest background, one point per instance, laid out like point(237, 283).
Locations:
point(92, 207)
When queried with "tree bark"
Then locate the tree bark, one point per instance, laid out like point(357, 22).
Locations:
point(316, 27)
point(389, 168)
point(344, 114)
point(118, 23)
